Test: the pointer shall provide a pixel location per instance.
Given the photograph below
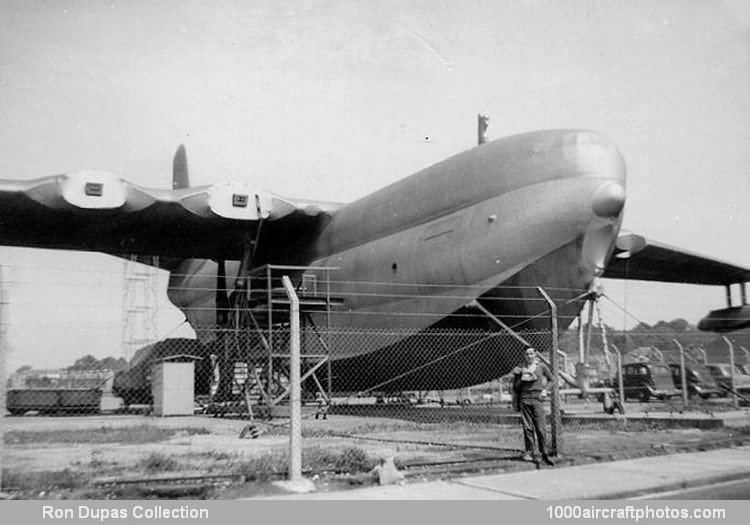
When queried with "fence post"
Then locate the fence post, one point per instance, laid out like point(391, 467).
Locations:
point(556, 441)
point(703, 353)
point(735, 401)
point(564, 357)
point(295, 394)
point(620, 386)
point(683, 378)
point(747, 354)
point(3, 381)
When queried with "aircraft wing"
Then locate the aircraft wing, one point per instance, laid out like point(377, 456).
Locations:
point(98, 211)
point(638, 258)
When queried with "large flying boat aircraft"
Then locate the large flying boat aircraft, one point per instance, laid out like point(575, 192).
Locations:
point(490, 224)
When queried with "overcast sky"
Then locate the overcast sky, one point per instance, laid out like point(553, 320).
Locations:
point(333, 100)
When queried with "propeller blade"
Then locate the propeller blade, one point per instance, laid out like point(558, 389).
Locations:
point(180, 177)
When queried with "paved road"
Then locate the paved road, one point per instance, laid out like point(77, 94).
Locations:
point(739, 489)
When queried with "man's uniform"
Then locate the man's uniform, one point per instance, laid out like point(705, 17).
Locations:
point(528, 384)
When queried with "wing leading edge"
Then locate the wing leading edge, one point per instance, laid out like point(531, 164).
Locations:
point(642, 259)
point(98, 211)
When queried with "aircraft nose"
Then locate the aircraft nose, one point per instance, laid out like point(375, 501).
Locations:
point(597, 158)
point(608, 200)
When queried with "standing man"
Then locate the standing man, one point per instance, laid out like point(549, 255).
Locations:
point(529, 381)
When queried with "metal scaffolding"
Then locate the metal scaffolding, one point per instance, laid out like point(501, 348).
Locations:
point(140, 304)
point(259, 326)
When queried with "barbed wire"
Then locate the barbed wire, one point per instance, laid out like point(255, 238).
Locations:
point(259, 290)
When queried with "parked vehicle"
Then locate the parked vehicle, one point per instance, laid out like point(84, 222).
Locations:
point(53, 400)
point(648, 380)
point(699, 380)
point(721, 373)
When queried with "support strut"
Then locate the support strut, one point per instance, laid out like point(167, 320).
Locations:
point(476, 304)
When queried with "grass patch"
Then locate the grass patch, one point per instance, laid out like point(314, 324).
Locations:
point(406, 426)
point(349, 459)
point(157, 462)
point(272, 465)
point(42, 481)
point(622, 425)
point(127, 435)
point(213, 455)
point(315, 460)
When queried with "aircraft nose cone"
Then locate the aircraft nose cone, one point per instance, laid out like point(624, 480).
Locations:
point(608, 200)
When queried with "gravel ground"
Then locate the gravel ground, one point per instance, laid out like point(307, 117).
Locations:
point(65, 456)
point(52, 457)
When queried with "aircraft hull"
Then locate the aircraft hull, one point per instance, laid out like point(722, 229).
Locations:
point(465, 348)
point(492, 223)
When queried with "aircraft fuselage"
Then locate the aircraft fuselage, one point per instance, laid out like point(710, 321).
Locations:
point(494, 222)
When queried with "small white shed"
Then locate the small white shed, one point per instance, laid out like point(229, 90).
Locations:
point(173, 385)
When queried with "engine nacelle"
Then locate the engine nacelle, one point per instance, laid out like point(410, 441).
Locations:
point(726, 319)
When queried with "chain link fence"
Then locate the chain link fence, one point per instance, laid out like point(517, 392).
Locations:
point(346, 368)
point(653, 360)
point(343, 367)
point(441, 391)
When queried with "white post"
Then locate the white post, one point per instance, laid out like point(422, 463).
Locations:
point(3, 381)
point(735, 401)
point(295, 393)
point(564, 358)
point(743, 293)
point(620, 387)
point(747, 354)
point(703, 353)
point(581, 357)
point(683, 378)
point(589, 333)
point(557, 441)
